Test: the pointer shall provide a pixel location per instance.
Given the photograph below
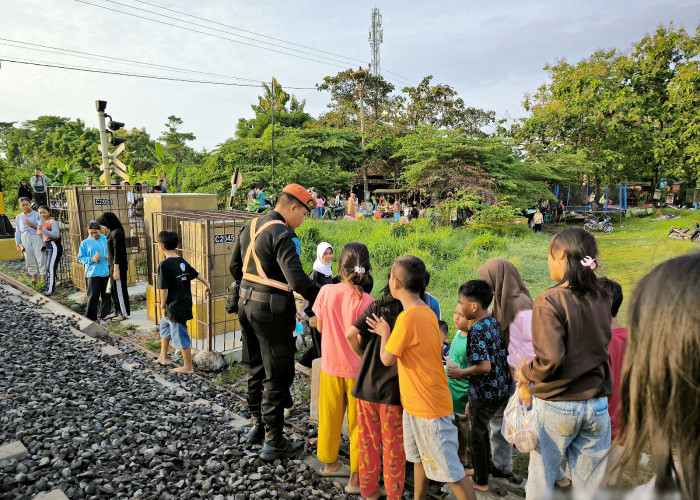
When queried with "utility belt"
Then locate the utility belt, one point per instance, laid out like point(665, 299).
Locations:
point(278, 302)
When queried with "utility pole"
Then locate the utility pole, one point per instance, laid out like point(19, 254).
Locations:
point(272, 147)
point(106, 167)
point(361, 75)
point(376, 36)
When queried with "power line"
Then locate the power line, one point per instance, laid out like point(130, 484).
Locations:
point(249, 31)
point(205, 33)
point(409, 80)
point(324, 60)
point(224, 31)
point(134, 75)
point(93, 56)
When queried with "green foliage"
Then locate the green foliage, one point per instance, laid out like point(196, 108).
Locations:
point(486, 242)
point(61, 174)
point(446, 163)
point(402, 230)
point(621, 115)
point(440, 106)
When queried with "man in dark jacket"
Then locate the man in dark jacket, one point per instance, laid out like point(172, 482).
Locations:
point(266, 269)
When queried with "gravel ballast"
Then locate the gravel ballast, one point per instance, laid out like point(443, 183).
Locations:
point(101, 426)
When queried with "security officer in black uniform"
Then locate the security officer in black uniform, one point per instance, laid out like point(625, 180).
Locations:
point(266, 270)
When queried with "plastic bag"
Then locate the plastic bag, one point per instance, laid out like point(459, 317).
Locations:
point(520, 424)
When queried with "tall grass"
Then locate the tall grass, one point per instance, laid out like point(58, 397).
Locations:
point(453, 255)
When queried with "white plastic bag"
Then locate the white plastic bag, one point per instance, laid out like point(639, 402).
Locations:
point(520, 424)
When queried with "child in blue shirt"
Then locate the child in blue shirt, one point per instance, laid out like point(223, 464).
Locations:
point(93, 255)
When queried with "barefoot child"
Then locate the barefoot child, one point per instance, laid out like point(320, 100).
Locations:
point(379, 411)
point(337, 307)
point(430, 437)
point(174, 277)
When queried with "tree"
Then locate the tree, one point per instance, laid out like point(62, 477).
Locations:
point(629, 114)
point(440, 106)
point(344, 90)
point(175, 142)
point(441, 162)
point(289, 112)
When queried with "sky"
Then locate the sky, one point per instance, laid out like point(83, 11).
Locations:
point(492, 53)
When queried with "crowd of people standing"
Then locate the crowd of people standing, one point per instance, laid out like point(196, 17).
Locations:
point(381, 364)
point(385, 365)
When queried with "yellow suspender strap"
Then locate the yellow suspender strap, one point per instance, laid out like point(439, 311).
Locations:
point(261, 277)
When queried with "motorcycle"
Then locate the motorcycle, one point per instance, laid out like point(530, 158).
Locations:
point(597, 224)
point(678, 233)
point(333, 212)
point(259, 208)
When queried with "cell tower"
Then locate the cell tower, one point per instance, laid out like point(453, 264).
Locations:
point(376, 36)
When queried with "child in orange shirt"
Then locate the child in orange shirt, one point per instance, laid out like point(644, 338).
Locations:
point(430, 437)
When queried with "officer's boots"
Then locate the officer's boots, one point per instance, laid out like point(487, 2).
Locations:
point(280, 449)
point(256, 434)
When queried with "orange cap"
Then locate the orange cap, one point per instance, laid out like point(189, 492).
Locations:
point(301, 194)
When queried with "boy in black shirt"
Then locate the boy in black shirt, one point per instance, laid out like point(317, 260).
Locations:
point(174, 277)
point(489, 376)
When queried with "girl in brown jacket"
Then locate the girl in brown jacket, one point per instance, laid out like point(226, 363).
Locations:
point(570, 375)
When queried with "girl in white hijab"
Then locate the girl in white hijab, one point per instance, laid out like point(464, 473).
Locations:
point(323, 263)
point(323, 275)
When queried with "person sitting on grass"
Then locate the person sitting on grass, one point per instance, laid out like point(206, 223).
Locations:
point(489, 376)
point(430, 437)
point(174, 277)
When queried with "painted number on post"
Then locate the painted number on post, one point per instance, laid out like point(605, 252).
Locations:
point(224, 238)
point(101, 202)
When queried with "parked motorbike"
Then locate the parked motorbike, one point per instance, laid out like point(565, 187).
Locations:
point(333, 212)
point(678, 233)
point(598, 224)
point(258, 207)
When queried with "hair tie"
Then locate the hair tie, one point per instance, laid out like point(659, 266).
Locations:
point(359, 270)
point(588, 262)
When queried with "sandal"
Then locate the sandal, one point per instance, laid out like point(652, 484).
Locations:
point(352, 491)
point(344, 471)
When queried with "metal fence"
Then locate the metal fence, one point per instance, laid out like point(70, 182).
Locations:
point(73, 207)
point(206, 241)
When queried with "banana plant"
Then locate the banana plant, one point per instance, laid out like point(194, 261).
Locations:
point(63, 174)
point(173, 173)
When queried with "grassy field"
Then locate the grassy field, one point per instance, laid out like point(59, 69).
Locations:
point(453, 255)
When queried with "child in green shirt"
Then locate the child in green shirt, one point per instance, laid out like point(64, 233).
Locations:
point(459, 389)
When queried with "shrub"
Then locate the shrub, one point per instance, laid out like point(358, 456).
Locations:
point(486, 242)
point(400, 231)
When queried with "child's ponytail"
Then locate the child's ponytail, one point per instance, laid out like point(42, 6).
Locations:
point(581, 251)
point(354, 266)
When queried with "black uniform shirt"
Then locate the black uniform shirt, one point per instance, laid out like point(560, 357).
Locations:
point(278, 249)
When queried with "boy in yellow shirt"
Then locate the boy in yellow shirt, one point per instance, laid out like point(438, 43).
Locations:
point(430, 437)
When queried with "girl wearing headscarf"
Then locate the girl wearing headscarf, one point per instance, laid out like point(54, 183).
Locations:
point(118, 265)
point(512, 308)
point(323, 275)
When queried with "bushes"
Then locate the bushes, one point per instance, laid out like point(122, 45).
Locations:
point(486, 242)
point(451, 255)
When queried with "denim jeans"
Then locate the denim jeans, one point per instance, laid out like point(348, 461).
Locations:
point(576, 430)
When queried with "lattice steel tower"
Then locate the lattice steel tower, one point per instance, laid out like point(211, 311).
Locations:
point(376, 36)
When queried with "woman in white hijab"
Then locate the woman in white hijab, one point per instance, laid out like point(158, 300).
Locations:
point(323, 275)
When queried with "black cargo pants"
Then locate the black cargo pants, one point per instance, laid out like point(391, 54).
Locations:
point(268, 356)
